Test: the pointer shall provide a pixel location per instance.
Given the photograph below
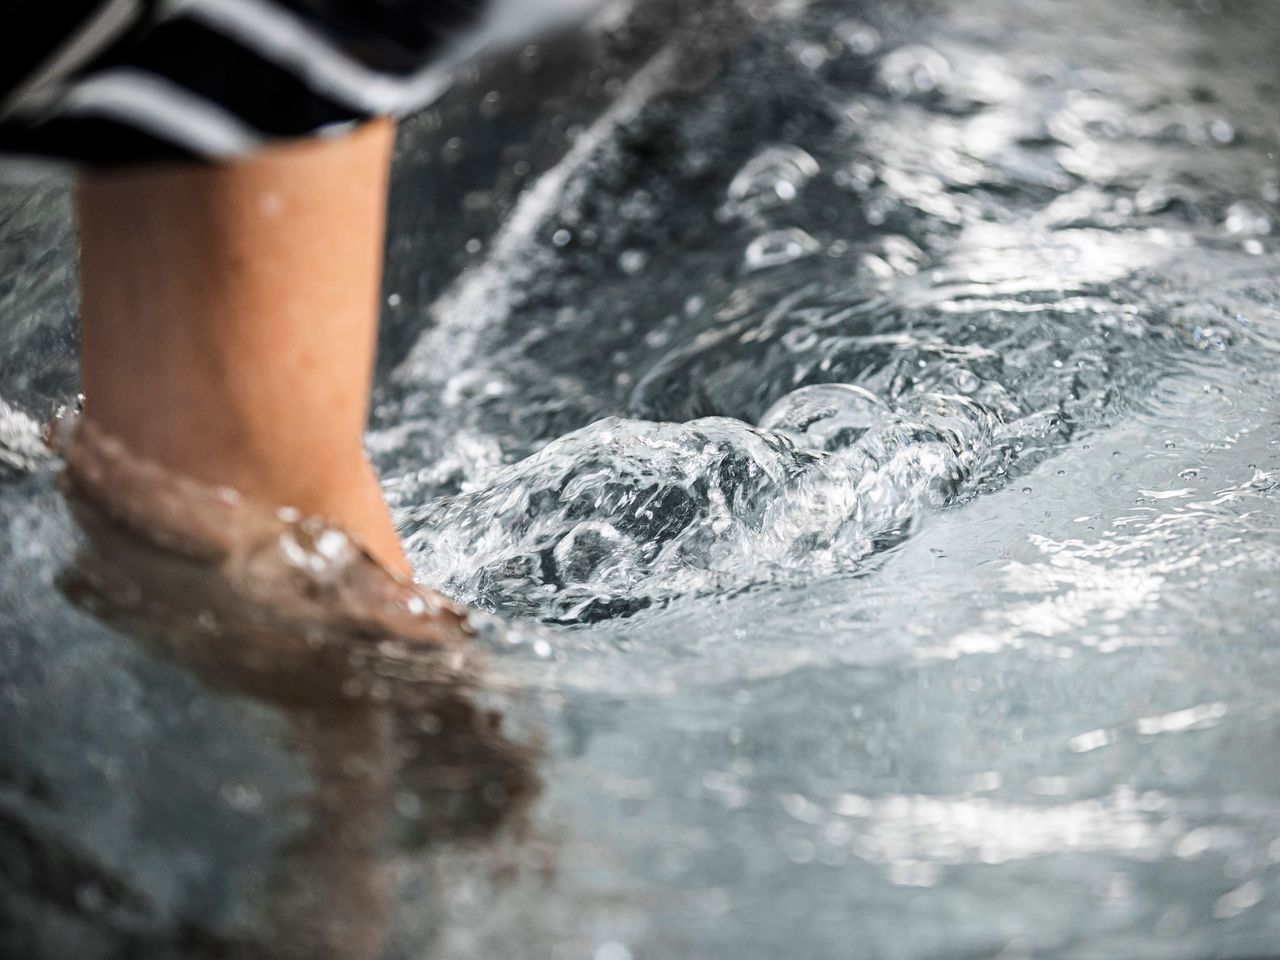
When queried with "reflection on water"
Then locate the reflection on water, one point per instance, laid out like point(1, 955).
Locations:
point(272, 820)
point(868, 410)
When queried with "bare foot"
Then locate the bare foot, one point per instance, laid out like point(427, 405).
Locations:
point(183, 547)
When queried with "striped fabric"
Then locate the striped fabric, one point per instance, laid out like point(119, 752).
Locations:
point(118, 82)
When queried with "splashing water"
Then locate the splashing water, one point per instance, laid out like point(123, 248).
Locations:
point(993, 324)
point(913, 481)
point(869, 421)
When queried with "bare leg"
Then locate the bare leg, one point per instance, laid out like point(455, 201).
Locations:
point(230, 321)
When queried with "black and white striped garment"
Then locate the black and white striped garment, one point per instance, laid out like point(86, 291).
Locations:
point(105, 83)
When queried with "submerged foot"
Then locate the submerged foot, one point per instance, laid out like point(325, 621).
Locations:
point(162, 540)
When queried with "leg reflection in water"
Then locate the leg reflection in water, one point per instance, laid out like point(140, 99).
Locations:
point(359, 714)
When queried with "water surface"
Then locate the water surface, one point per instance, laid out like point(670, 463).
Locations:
point(867, 417)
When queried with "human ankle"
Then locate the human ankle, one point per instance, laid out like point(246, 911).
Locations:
point(336, 483)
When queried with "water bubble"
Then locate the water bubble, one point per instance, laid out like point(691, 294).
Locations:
point(966, 381)
point(1221, 130)
point(811, 55)
point(632, 262)
point(772, 178)
point(1244, 897)
point(779, 247)
point(800, 339)
point(240, 796)
point(590, 551)
point(827, 416)
point(857, 177)
point(1153, 197)
point(453, 151)
point(859, 37)
point(1246, 219)
point(915, 71)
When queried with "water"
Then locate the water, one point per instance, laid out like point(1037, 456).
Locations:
point(867, 416)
